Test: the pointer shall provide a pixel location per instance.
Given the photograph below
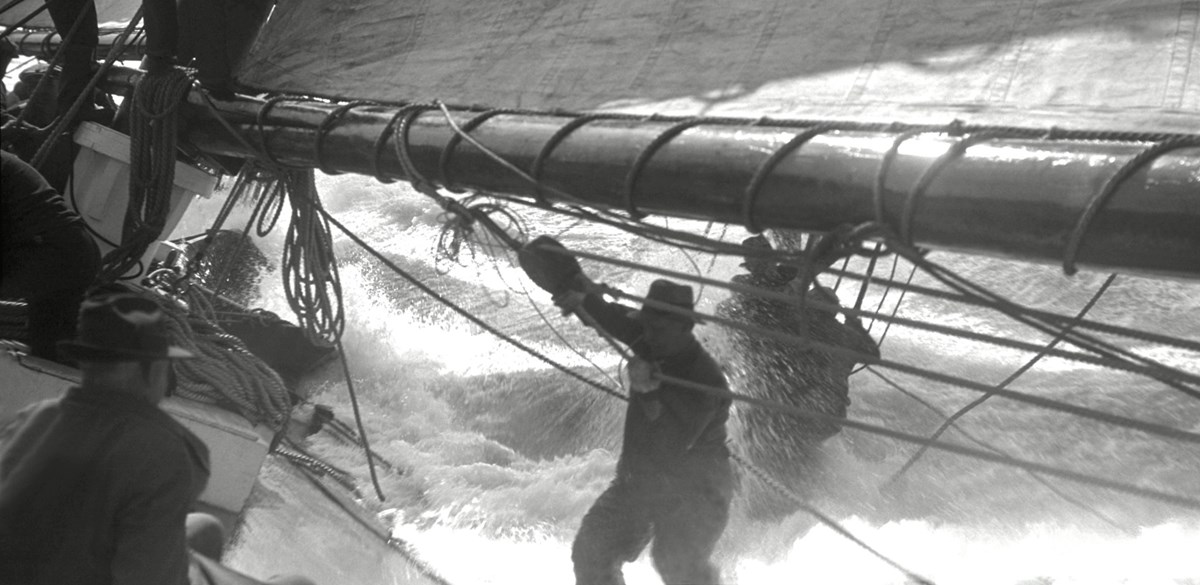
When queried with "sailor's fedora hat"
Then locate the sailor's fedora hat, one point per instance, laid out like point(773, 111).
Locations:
point(670, 293)
point(758, 243)
point(121, 327)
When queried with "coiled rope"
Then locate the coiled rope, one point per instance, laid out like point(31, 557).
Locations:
point(223, 372)
point(153, 138)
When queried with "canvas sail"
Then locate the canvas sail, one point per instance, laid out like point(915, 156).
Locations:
point(1116, 64)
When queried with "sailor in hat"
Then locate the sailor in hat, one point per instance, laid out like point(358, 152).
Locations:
point(96, 487)
point(673, 483)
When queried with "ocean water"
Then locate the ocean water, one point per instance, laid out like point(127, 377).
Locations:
point(503, 454)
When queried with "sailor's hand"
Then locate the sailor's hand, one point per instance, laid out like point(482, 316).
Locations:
point(569, 301)
point(643, 376)
point(16, 130)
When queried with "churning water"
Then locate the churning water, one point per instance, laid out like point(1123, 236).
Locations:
point(505, 454)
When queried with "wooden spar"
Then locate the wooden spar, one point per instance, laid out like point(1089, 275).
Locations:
point(1016, 198)
point(43, 44)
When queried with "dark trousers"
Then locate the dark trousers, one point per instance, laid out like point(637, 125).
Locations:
point(684, 517)
point(51, 273)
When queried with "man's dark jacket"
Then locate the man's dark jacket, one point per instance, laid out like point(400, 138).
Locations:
point(95, 489)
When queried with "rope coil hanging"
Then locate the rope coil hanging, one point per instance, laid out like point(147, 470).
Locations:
point(153, 139)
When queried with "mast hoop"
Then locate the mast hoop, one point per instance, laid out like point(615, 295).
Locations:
point(456, 139)
point(415, 178)
point(922, 185)
point(535, 170)
point(260, 121)
point(764, 170)
point(323, 129)
point(635, 171)
point(1102, 197)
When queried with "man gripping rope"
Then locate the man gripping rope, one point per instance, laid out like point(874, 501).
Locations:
point(674, 482)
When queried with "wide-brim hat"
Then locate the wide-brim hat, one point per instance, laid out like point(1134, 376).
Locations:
point(671, 293)
point(756, 242)
point(121, 327)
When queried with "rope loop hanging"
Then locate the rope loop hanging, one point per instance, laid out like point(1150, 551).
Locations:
point(153, 138)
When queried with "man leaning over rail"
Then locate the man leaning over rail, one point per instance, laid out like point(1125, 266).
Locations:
point(96, 487)
point(673, 482)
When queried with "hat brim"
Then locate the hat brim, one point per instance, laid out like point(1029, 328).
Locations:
point(84, 352)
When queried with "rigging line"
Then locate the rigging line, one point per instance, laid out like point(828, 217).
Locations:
point(916, 324)
point(862, 288)
point(912, 271)
point(1040, 314)
point(458, 309)
point(24, 20)
point(401, 546)
point(455, 139)
point(9, 5)
point(582, 314)
point(1053, 489)
point(1048, 403)
point(420, 285)
point(1004, 384)
point(647, 231)
point(869, 277)
point(882, 299)
point(362, 433)
point(58, 57)
point(823, 518)
point(1170, 376)
point(618, 221)
point(1132, 489)
point(568, 344)
point(86, 94)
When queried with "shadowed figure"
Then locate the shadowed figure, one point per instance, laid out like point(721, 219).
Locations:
point(780, 371)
